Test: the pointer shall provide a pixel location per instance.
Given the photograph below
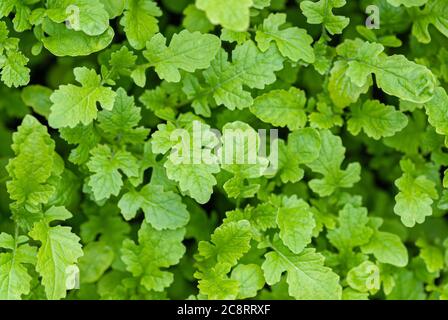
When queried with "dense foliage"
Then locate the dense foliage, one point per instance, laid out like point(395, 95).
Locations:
point(92, 91)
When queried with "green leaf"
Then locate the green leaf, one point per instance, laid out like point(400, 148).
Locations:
point(415, 197)
point(73, 105)
point(97, 258)
point(410, 138)
point(293, 43)
point(377, 120)
point(62, 41)
point(231, 14)
point(235, 36)
point(140, 22)
point(163, 210)
point(156, 251)
point(118, 285)
point(281, 108)
point(33, 167)
point(329, 165)
point(321, 12)
point(407, 286)
point(15, 280)
point(296, 223)
point(37, 97)
point(196, 20)
point(121, 64)
point(307, 277)
point(250, 278)
point(228, 243)
point(224, 80)
point(351, 294)
point(88, 16)
point(431, 255)
point(106, 166)
point(239, 154)
point(437, 111)
point(191, 164)
point(212, 149)
point(303, 148)
point(343, 91)
point(405, 79)
point(353, 230)
point(161, 140)
point(434, 13)
point(395, 74)
point(107, 226)
point(86, 137)
point(165, 100)
point(59, 250)
point(120, 124)
point(215, 284)
point(14, 70)
point(21, 10)
point(261, 217)
point(387, 248)
point(188, 51)
point(360, 68)
point(386, 40)
point(113, 7)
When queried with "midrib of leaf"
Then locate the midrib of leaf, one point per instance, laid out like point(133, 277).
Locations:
point(371, 65)
point(318, 283)
point(285, 39)
point(173, 55)
point(48, 242)
point(283, 107)
point(160, 265)
point(54, 267)
point(324, 20)
point(382, 70)
point(73, 106)
point(16, 235)
point(369, 119)
point(277, 36)
point(227, 80)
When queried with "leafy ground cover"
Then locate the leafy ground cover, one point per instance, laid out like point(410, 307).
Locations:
point(348, 202)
